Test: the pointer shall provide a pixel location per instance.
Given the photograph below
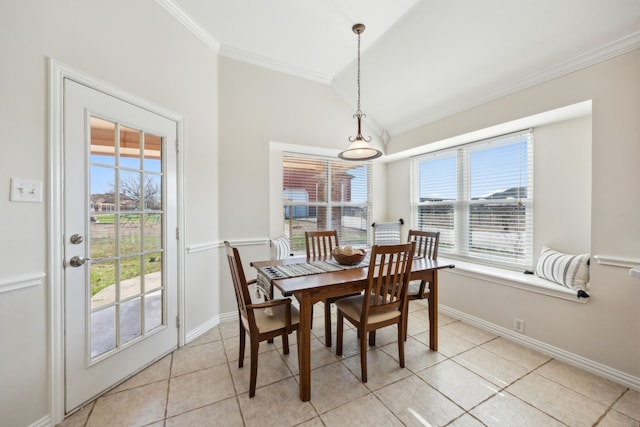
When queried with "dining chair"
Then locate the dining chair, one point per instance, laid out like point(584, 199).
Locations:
point(383, 302)
point(261, 321)
point(426, 246)
point(319, 244)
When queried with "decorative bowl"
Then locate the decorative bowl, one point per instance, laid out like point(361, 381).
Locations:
point(348, 259)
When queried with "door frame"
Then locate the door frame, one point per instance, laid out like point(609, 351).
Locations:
point(58, 72)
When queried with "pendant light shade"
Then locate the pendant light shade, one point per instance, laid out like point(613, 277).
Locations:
point(359, 149)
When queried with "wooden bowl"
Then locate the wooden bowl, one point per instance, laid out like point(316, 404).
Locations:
point(348, 259)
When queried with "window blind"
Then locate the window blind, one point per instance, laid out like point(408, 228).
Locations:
point(480, 197)
point(321, 193)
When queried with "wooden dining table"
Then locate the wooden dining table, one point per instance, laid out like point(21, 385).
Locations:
point(312, 288)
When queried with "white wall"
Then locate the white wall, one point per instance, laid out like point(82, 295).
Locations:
point(604, 330)
point(562, 186)
point(140, 48)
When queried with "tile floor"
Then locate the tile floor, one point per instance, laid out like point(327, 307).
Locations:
point(475, 379)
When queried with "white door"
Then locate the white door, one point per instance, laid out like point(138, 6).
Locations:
point(120, 242)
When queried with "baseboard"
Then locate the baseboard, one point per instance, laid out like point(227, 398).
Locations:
point(555, 352)
point(42, 422)
point(211, 323)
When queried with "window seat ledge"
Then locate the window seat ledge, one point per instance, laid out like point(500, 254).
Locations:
point(514, 279)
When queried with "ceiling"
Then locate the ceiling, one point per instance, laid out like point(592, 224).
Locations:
point(422, 60)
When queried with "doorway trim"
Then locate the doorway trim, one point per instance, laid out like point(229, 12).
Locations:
point(55, 216)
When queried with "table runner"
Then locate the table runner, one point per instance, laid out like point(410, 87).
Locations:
point(266, 274)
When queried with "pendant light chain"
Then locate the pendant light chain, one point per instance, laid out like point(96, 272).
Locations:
point(359, 111)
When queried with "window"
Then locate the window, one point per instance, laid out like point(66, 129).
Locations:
point(325, 194)
point(480, 197)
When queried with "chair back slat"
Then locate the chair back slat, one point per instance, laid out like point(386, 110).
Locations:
point(426, 243)
point(320, 243)
point(388, 278)
point(243, 297)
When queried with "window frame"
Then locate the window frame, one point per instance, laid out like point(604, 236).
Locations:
point(455, 242)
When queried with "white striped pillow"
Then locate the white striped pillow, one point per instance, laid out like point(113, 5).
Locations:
point(280, 248)
point(567, 270)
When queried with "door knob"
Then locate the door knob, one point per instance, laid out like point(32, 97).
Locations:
point(77, 261)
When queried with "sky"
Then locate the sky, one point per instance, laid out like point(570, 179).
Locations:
point(493, 169)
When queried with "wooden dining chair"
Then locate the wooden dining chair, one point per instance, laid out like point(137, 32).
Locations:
point(426, 246)
point(254, 318)
point(383, 302)
point(319, 244)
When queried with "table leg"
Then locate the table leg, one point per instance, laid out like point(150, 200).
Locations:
point(433, 313)
point(304, 346)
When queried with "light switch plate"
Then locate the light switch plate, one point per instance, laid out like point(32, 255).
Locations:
point(25, 190)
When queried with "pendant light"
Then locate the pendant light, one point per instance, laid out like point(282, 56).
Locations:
point(359, 149)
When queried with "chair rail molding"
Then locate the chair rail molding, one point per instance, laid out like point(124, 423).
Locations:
point(14, 283)
point(207, 246)
point(616, 261)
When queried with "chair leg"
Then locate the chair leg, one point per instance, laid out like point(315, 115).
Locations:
point(405, 321)
point(372, 338)
point(339, 326)
point(270, 340)
point(254, 367)
point(241, 347)
point(401, 333)
point(363, 356)
point(327, 323)
point(285, 343)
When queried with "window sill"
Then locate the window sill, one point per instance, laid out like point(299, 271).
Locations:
point(514, 279)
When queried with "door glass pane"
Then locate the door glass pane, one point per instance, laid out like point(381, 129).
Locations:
point(103, 138)
point(153, 271)
point(102, 234)
point(130, 284)
point(129, 148)
point(126, 235)
point(152, 311)
point(102, 188)
point(152, 192)
point(103, 331)
point(152, 232)
point(129, 320)
point(130, 232)
point(103, 283)
point(130, 190)
point(152, 153)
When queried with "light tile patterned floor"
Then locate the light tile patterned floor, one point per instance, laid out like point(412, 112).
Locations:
point(475, 379)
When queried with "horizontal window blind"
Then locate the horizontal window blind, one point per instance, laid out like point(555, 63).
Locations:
point(325, 194)
point(480, 197)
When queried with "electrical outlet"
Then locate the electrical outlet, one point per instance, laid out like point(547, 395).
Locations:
point(25, 190)
point(518, 325)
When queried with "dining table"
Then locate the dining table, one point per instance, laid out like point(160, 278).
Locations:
point(314, 280)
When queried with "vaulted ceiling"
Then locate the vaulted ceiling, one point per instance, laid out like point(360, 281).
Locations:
point(422, 60)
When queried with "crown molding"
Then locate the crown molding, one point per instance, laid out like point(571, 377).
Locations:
point(241, 55)
point(191, 24)
point(594, 56)
point(272, 64)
